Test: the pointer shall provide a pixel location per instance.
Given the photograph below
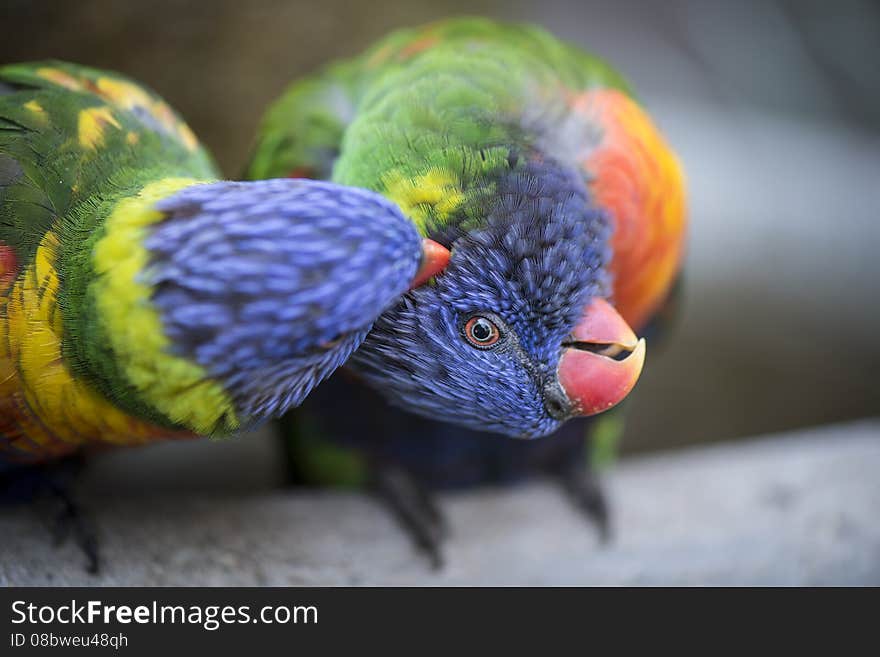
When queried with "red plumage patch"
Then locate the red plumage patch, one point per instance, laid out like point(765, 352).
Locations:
point(301, 172)
point(8, 265)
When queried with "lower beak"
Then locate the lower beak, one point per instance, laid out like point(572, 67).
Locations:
point(601, 361)
point(435, 257)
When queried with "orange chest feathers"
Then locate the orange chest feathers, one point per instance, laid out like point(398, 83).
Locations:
point(636, 177)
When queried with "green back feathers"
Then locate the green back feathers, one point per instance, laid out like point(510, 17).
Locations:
point(428, 116)
point(71, 135)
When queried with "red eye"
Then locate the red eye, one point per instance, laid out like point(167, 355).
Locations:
point(481, 332)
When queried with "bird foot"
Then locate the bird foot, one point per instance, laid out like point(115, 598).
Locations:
point(49, 488)
point(583, 486)
point(69, 520)
point(415, 509)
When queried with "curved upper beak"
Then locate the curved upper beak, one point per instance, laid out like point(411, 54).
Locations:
point(435, 257)
point(601, 361)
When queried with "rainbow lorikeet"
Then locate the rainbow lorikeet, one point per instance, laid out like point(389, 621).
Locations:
point(141, 299)
point(564, 210)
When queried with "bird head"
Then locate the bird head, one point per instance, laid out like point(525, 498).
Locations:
point(517, 334)
point(268, 286)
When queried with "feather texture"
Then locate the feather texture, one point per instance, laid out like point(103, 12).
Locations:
point(140, 300)
point(508, 146)
point(432, 116)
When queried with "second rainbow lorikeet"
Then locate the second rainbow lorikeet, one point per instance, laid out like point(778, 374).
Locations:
point(564, 210)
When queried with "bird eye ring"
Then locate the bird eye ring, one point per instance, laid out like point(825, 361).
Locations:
point(481, 332)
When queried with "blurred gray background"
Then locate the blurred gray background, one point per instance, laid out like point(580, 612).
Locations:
point(774, 108)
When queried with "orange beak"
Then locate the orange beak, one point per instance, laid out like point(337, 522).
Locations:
point(602, 360)
point(435, 257)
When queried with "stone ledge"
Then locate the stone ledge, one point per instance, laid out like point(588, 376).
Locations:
point(798, 508)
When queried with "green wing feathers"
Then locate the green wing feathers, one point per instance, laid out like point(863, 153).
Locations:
point(427, 115)
point(71, 135)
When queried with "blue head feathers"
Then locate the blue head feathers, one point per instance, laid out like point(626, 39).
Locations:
point(481, 347)
point(271, 285)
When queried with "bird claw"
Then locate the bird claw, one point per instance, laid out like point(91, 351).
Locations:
point(69, 520)
point(415, 509)
point(583, 486)
point(49, 489)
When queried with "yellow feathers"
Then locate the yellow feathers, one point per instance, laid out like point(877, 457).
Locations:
point(128, 96)
point(436, 189)
point(121, 95)
point(92, 123)
point(60, 78)
point(48, 411)
point(37, 110)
